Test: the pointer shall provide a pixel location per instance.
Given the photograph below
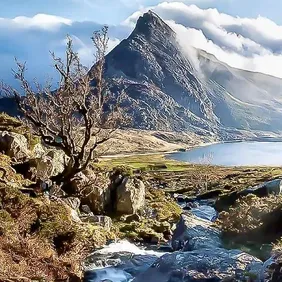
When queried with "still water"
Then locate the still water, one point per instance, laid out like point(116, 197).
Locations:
point(234, 154)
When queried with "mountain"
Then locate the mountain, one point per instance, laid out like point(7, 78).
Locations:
point(167, 87)
point(168, 91)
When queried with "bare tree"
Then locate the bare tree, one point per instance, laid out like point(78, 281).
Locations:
point(79, 115)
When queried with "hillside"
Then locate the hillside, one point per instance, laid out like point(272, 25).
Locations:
point(168, 92)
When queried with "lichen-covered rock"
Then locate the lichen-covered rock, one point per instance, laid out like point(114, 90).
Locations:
point(14, 145)
point(203, 265)
point(130, 196)
point(193, 233)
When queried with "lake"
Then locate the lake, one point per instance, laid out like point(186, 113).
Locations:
point(234, 154)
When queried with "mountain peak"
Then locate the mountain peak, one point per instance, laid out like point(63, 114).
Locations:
point(150, 22)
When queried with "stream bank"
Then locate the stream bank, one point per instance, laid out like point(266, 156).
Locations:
point(197, 251)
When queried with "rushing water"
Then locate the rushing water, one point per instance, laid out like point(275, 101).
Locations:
point(234, 154)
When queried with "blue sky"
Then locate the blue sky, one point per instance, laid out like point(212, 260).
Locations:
point(114, 11)
point(242, 33)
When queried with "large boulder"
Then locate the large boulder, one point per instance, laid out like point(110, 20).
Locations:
point(96, 191)
point(193, 233)
point(50, 164)
point(204, 265)
point(14, 145)
point(130, 196)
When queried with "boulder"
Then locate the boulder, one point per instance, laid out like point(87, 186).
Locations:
point(273, 187)
point(272, 269)
point(204, 265)
point(130, 196)
point(205, 212)
point(14, 145)
point(97, 194)
point(193, 233)
point(50, 164)
point(38, 151)
point(72, 202)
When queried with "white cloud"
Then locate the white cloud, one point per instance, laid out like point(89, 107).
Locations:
point(41, 21)
point(248, 43)
point(253, 44)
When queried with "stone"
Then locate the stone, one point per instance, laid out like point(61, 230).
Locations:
point(72, 202)
point(104, 221)
point(97, 195)
point(130, 196)
point(14, 145)
point(38, 151)
point(120, 267)
point(85, 209)
point(50, 164)
point(203, 265)
point(193, 233)
point(205, 212)
point(273, 187)
point(133, 217)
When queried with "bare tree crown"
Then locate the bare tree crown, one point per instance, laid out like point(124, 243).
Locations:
point(78, 116)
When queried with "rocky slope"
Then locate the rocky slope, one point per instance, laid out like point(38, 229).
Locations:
point(168, 91)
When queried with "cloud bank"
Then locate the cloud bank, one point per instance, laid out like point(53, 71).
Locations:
point(253, 44)
point(32, 39)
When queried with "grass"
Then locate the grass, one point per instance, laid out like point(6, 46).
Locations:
point(151, 162)
point(190, 179)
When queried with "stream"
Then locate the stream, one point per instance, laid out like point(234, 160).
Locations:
point(124, 262)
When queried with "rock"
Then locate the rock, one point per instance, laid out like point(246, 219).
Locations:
point(273, 187)
point(85, 209)
point(72, 202)
point(130, 196)
point(50, 164)
point(133, 217)
point(14, 145)
point(121, 267)
point(38, 151)
point(205, 212)
point(272, 269)
point(193, 233)
point(101, 220)
point(98, 194)
point(204, 265)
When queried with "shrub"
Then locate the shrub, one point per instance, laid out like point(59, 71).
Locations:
point(249, 213)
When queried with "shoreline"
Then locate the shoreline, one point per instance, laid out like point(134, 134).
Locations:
point(189, 147)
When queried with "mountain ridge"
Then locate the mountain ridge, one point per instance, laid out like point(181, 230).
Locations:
point(166, 91)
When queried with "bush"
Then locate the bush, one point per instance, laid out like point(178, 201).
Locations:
point(39, 239)
point(249, 213)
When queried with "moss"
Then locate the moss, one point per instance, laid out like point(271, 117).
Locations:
point(166, 208)
point(6, 223)
point(123, 170)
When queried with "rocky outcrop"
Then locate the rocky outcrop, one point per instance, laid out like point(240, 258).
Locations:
point(130, 196)
point(194, 233)
point(203, 265)
point(14, 145)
